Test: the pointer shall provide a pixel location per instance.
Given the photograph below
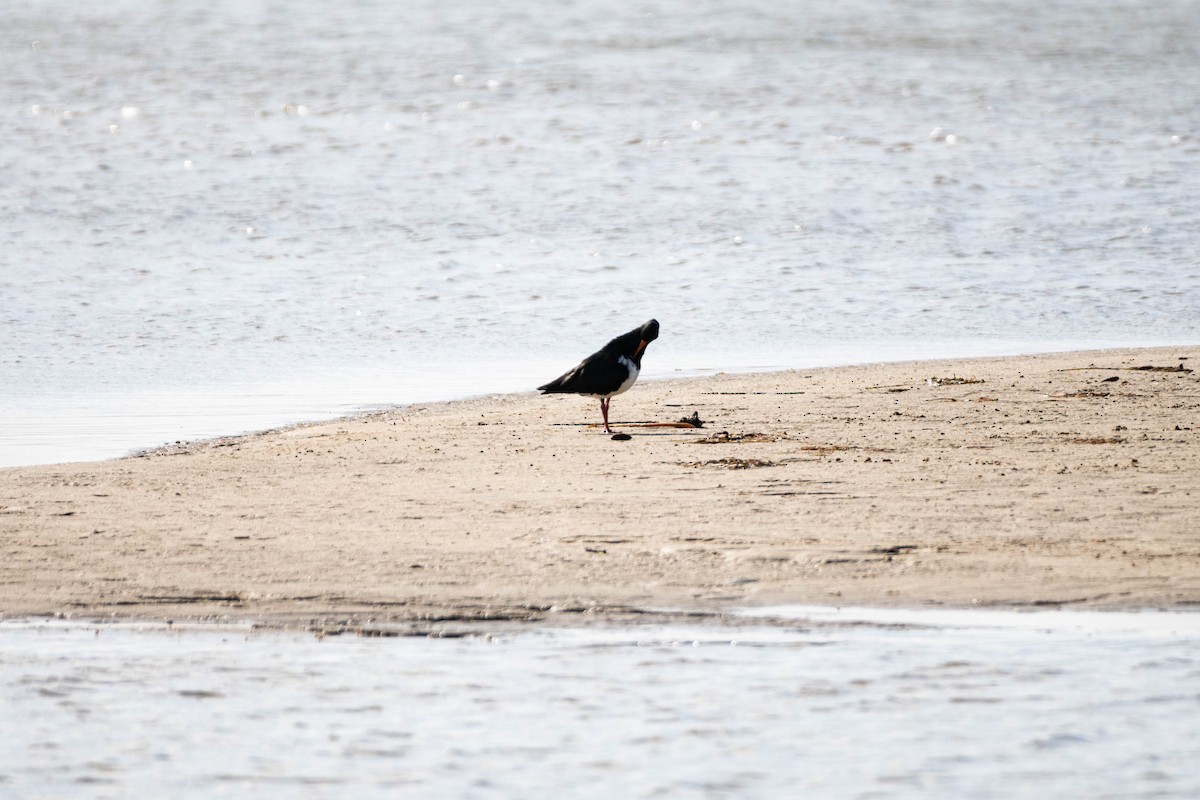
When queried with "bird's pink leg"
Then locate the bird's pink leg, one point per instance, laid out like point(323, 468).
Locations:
point(604, 411)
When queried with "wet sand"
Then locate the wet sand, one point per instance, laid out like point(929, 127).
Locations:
point(1066, 479)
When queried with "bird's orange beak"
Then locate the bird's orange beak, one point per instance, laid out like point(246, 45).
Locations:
point(641, 346)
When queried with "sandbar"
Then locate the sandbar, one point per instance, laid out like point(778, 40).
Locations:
point(1060, 480)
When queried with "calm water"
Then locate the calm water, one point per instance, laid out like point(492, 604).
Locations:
point(223, 215)
point(914, 704)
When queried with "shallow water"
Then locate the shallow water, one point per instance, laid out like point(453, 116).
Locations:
point(918, 704)
point(225, 215)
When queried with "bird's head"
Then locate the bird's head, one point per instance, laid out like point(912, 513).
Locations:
point(646, 334)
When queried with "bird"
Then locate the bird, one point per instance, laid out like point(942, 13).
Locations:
point(609, 371)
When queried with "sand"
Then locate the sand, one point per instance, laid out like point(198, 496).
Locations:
point(1051, 480)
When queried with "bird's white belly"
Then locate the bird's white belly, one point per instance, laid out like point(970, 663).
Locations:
point(624, 387)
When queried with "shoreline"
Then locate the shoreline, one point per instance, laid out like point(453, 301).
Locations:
point(1049, 480)
point(69, 427)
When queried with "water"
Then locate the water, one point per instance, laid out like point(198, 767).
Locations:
point(227, 215)
point(828, 704)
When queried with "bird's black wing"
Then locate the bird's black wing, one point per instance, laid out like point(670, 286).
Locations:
point(600, 373)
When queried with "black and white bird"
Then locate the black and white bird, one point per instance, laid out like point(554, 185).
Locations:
point(608, 372)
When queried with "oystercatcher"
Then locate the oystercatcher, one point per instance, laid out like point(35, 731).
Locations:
point(608, 372)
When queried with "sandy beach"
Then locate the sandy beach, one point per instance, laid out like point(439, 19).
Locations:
point(1065, 479)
